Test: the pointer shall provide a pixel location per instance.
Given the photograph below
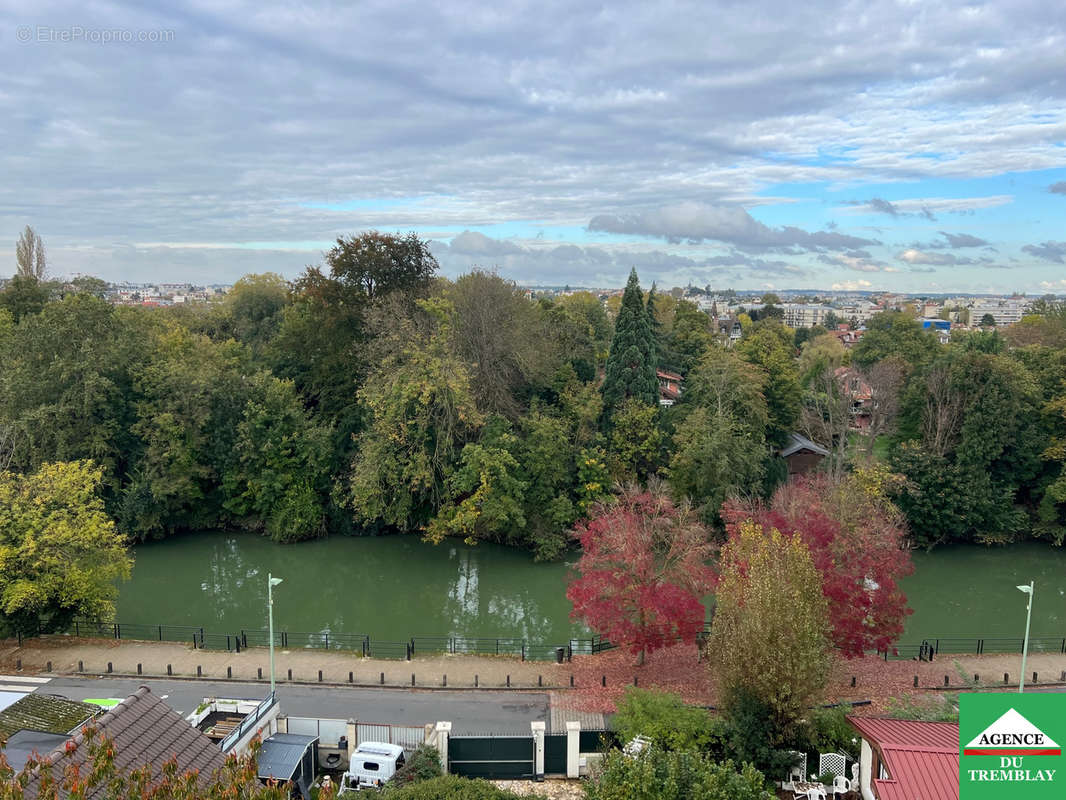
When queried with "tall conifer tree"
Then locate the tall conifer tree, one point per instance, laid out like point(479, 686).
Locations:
point(630, 372)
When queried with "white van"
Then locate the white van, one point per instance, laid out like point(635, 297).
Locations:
point(371, 765)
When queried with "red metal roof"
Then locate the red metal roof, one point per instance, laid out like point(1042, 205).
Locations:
point(922, 758)
point(672, 376)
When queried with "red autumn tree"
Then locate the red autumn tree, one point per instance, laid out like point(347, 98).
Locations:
point(857, 540)
point(643, 571)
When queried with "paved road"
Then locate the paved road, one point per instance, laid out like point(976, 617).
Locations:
point(469, 712)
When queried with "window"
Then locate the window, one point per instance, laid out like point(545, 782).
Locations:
point(400, 761)
point(370, 766)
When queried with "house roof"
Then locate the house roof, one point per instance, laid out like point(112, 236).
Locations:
point(797, 443)
point(670, 376)
point(44, 713)
point(145, 731)
point(20, 746)
point(922, 758)
point(280, 755)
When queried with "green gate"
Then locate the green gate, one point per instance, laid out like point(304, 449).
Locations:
point(555, 754)
point(492, 756)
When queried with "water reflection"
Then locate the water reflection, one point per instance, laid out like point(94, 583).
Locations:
point(388, 587)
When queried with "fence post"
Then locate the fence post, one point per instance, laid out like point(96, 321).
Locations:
point(382, 678)
point(327, 641)
point(114, 627)
point(199, 671)
point(573, 749)
point(290, 673)
point(259, 673)
point(110, 668)
point(443, 731)
point(160, 633)
point(537, 728)
point(81, 667)
point(229, 672)
point(523, 649)
point(138, 668)
point(170, 669)
point(75, 627)
point(49, 667)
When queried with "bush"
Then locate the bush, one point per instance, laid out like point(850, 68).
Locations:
point(451, 787)
point(658, 774)
point(666, 720)
point(423, 765)
point(831, 732)
point(753, 734)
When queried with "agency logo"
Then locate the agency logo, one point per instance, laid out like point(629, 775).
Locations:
point(1009, 746)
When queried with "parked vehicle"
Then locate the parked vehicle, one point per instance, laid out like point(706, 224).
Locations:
point(371, 765)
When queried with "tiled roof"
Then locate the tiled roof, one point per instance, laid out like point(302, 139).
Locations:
point(922, 758)
point(145, 731)
point(45, 713)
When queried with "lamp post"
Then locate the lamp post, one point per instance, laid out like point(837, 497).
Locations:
point(1025, 643)
point(271, 583)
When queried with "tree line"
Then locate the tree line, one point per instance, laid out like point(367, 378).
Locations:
point(373, 395)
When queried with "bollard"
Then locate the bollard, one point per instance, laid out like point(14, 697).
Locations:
point(18, 665)
point(571, 681)
point(634, 680)
point(946, 682)
point(110, 668)
point(412, 679)
point(976, 678)
point(49, 668)
point(603, 681)
point(915, 681)
point(259, 673)
point(445, 682)
point(1034, 678)
point(853, 681)
point(320, 676)
point(540, 680)
point(351, 678)
point(199, 671)
point(290, 673)
point(382, 678)
point(475, 680)
point(1006, 677)
point(138, 668)
point(81, 667)
point(229, 672)
point(170, 669)
point(508, 681)
point(1063, 678)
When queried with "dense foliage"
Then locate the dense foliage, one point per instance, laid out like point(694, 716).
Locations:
point(664, 719)
point(60, 555)
point(657, 774)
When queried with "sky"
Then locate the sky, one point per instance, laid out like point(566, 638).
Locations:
point(764, 144)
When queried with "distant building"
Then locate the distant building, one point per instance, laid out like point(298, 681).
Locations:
point(1005, 311)
point(669, 387)
point(805, 315)
point(801, 454)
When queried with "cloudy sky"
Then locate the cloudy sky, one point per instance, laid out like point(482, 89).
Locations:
point(766, 143)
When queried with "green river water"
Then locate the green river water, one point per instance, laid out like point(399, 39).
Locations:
point(396, 587)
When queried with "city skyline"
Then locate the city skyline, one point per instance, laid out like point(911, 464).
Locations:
point(903, 147)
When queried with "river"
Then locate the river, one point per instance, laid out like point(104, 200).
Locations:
point(394, 587)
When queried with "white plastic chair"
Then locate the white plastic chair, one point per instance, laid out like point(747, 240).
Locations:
point(841, 785)
point(796, 773)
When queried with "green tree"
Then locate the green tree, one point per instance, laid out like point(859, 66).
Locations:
point(636, 441)
point(988, 321)
point(422, 412)
point(254, 308)
point(780, 660)
point(60, 555)
point(630, 372)
point(279, 471)
point(664, 719)
point(769, 346)
point(893, 333)
point(24, 296)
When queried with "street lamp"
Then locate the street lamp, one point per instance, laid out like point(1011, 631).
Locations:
point(1025, 644)
point(271, 583)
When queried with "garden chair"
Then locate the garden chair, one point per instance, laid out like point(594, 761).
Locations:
point(841, 785)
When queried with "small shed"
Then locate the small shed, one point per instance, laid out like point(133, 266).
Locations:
point(801, 454)
point(290, 757)
point(23, 744)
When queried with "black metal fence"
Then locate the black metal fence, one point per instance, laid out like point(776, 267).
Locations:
point(930, 648)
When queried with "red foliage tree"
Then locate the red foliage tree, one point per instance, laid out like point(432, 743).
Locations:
point(643, 571)
point(857, 542)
